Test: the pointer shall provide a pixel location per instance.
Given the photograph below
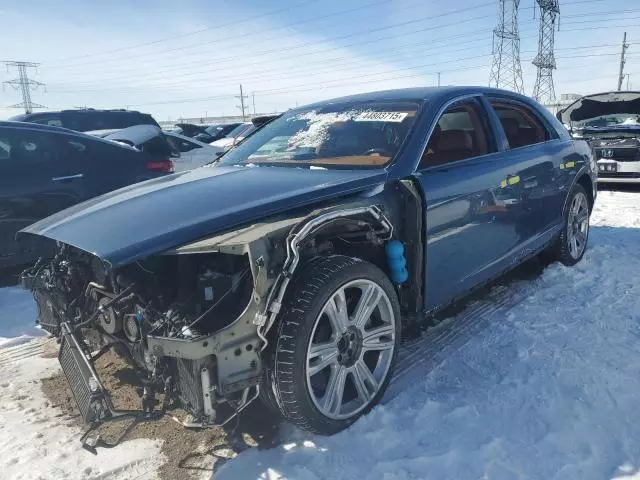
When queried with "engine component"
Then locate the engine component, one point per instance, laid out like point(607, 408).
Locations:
point(192, 375)
point(130, 327)
point(110, 321)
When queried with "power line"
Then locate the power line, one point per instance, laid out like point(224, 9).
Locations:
point(288, 56)
point(314, 44)
point(261, 32)
point(184, 35)
point(24, 84)
point(261, 74)
point(171, 38)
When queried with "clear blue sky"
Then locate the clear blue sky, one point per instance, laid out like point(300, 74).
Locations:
point(164, 56)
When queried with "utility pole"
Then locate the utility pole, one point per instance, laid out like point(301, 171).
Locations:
point(253, 99)
point(623, 60)
point(628, 75)
point(24, 84)
point(439, 78)
point(545, 60)
point(242, 107)
point(506, 71)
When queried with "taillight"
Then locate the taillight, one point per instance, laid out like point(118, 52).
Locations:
point(164, 166)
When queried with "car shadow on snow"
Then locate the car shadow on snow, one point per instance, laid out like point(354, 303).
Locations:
point(450, 394)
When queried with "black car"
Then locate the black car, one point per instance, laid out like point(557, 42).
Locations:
point(190, 129)
point(46, 169)
point(88, 119)
point(215, 132)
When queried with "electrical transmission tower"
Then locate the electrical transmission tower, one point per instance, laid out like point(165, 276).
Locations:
point(24, 84)
point(545, 60)
point(506, 71)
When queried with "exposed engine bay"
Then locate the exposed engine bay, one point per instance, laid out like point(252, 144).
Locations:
point(172, 296)
point(192, 321)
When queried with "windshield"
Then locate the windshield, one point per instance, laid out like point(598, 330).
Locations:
point(362, 134)
point(610, 120)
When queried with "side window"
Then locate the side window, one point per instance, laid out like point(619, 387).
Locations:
point(461, 132)
point(26, 148)
point(521, 126)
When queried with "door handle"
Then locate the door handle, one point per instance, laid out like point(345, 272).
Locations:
point(67, 177)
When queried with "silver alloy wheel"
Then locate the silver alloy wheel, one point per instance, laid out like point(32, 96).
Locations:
point(351, 349)
point(578, 225)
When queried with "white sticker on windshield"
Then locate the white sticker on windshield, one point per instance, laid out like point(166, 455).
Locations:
point(381, 117)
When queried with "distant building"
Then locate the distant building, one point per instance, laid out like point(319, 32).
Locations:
point(564, 100)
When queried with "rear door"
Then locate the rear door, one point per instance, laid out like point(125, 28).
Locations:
point(539, 153)
point(36, 180)
point(471, 219)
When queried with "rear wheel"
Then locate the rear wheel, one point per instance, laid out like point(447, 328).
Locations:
point(570, 246)
point(335, 346)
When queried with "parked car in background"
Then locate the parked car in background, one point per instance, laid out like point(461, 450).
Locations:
point(186, 153)
point(235, 136)
point(610, 122)
point(193, 153)
point(86, 119)
point(288, 273)
point(190, 129)
point(46, 169)
point(215, 132)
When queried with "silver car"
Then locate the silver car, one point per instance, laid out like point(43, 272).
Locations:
point(610, 122)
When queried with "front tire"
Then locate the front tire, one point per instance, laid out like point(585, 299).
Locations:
point(335, 344)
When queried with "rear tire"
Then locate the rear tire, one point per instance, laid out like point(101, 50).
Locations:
point(570, 246)
point(334, 347)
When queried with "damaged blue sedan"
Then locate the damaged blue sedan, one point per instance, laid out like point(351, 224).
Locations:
point(288, 271)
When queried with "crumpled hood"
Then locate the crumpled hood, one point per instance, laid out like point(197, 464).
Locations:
point(150, 217)
point(591, 106)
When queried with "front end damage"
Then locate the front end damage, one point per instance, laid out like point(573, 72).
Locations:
point(193, 322)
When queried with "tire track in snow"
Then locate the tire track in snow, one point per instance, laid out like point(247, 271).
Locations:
point(31, 348)
point(418, 357)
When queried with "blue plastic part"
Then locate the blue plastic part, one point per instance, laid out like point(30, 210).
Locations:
point(397, 262)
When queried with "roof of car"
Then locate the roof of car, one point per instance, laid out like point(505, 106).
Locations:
point(35, 126)
point(82, 110)
point(415, 94)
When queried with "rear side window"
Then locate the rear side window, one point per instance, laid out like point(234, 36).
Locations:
point(53, 120)
point(521, 125)
point(461, 132)
point(19, 148)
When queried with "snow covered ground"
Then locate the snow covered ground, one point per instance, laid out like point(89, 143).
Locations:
point(540, 380)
